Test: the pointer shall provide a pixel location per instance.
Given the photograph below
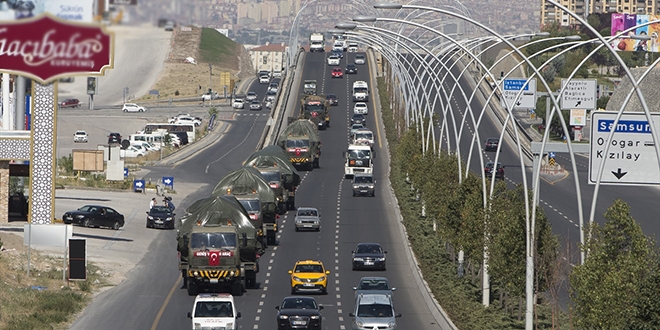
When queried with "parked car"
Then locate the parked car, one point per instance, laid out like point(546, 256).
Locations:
point(369, 255)
point(332, 98)
point(209, 96)
point(491, 144)
point(160, 216)
point(299, 313)
point(80, 136)
point(307, 218)
point(238, 104)
point(499, 172)
point(360, 59)
point(114, 138)
point(132, 152)
point(94, 216)
point(70, 103)
point(374, 285)
point(132, 107)
point(255, 105)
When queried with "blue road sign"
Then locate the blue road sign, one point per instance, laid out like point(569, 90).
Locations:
point(168, 181)
point(552, 154)
point(515, 84)
point(138, 185)
point(125, 172)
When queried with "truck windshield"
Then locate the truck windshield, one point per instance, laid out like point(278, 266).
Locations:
point(359, 90)
point(366, 136)
point(200, 241)
point(314, 107)
point(271, 176)
point(251, 205)
point(297, 143)
point(359, 154)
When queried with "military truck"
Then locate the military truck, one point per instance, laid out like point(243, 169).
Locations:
point(317, 109)
point(309, 87)
point(276, 168)
point(254, 193)
point(218, 246)
point(300, 141)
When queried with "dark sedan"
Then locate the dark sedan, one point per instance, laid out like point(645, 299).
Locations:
point(95, 216)
point(160, 217)
point(499, 172)
point(351, 69)
point(491, 144)
point(369, 255)
point(359, 118)
point(299, 313)
point(332, 98)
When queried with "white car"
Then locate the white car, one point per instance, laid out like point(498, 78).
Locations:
point(264, 79)
point(80, 136)
point(132, 107)
point(333, 60)
point(146, 146)
point(214, 311)
point(251, 96)
point(208, 96)
point(360, 108)
point(238, 104)
point(132, 152)
point(363, 137)
point(360, 59)
point(185, 120)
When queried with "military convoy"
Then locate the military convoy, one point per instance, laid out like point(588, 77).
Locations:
point(317, 109)
point(300, 141)
point(271, 161)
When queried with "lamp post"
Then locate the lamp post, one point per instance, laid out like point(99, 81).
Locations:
point(210, 85)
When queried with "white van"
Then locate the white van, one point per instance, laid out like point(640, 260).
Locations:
point(214, 311)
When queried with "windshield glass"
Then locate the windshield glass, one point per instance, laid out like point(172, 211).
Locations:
point(271, 176)
point(375, 310)
point(307, 213)
point(159, 209)
point(308, 269)
point(297, 143)
point(299, 303)
point(201, 241)
point(367, 136)
point(214, 309)
point(363, 179)
point(359, 154)
point(374, 285)
point(359, 90)
point(251, 205)
point(368, 249)
point(314, 107)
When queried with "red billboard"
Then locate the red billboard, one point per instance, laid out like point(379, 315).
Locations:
point(46, 48)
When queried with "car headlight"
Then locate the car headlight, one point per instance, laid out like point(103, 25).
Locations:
point(297, 279)
point(380, 259)
point(80, 216)
point(391, 324)
point(371, 186)
point(358, 259)
point(169, 219)
point(284, 317)
point(314, 317)
point(359, 324)
point(150, 217)
point(231, 273)
point(320, 279)
point(298, 222)
point(195, 273)
point(230, 326)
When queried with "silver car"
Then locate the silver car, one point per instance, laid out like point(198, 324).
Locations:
point(374, 311)
point(308, 218)
point(363, 184)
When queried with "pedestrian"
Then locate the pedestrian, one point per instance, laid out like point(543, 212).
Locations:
point(152, 203)
point(169, 204)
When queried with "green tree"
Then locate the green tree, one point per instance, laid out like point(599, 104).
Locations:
point(606, 289)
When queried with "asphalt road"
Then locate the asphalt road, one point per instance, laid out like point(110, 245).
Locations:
point(154, 287)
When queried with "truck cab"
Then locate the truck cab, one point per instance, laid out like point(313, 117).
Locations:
point(317, 42)
point(273, 175)
point(309, 87)
point(358, 159)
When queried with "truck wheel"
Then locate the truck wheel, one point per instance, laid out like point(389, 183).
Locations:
point(283, 207)
point(291, 203)
point(192, 288)
point(310, 166)
point(270, 238)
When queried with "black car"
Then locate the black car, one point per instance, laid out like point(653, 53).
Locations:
point(114, 138)
point(160, 216)
point(499, 174)
point(332, 98)
point(491, 144)
point(351, 69)
point(95, 216)
point(369, 255)
point(359, 118)
point(299, 313)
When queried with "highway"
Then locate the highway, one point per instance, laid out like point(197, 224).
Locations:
point(152, 297)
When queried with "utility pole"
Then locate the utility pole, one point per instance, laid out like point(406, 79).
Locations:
point(211, 85)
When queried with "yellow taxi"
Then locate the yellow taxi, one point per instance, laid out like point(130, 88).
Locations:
point(309, 275)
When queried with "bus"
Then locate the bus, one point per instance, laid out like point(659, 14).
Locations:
point(172, 128)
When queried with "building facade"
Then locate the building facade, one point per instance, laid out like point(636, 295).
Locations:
point(270, 57)
point(551, 14)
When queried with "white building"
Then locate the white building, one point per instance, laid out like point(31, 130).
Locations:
point(270, 57)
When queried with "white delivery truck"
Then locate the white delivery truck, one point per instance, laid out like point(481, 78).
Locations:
point(358, 159)
point(360, 91)
point(316, 42)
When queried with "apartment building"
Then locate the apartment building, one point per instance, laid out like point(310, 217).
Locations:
point(551, 14)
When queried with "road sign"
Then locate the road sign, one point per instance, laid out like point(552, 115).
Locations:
point(631, 158)
point(125, 172)
point(578, 94)
point(138, 185)
point(552, 154)
point(512, 98)
point(168, 181)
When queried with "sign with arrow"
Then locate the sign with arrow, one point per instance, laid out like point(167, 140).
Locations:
point(519, 93)
point(578, 94)
point(138, 185)
point(631, 158)
point(168, 181)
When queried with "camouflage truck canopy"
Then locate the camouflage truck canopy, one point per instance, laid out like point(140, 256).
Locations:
point(270, 155)
point(299, 128)
point(248, 181)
